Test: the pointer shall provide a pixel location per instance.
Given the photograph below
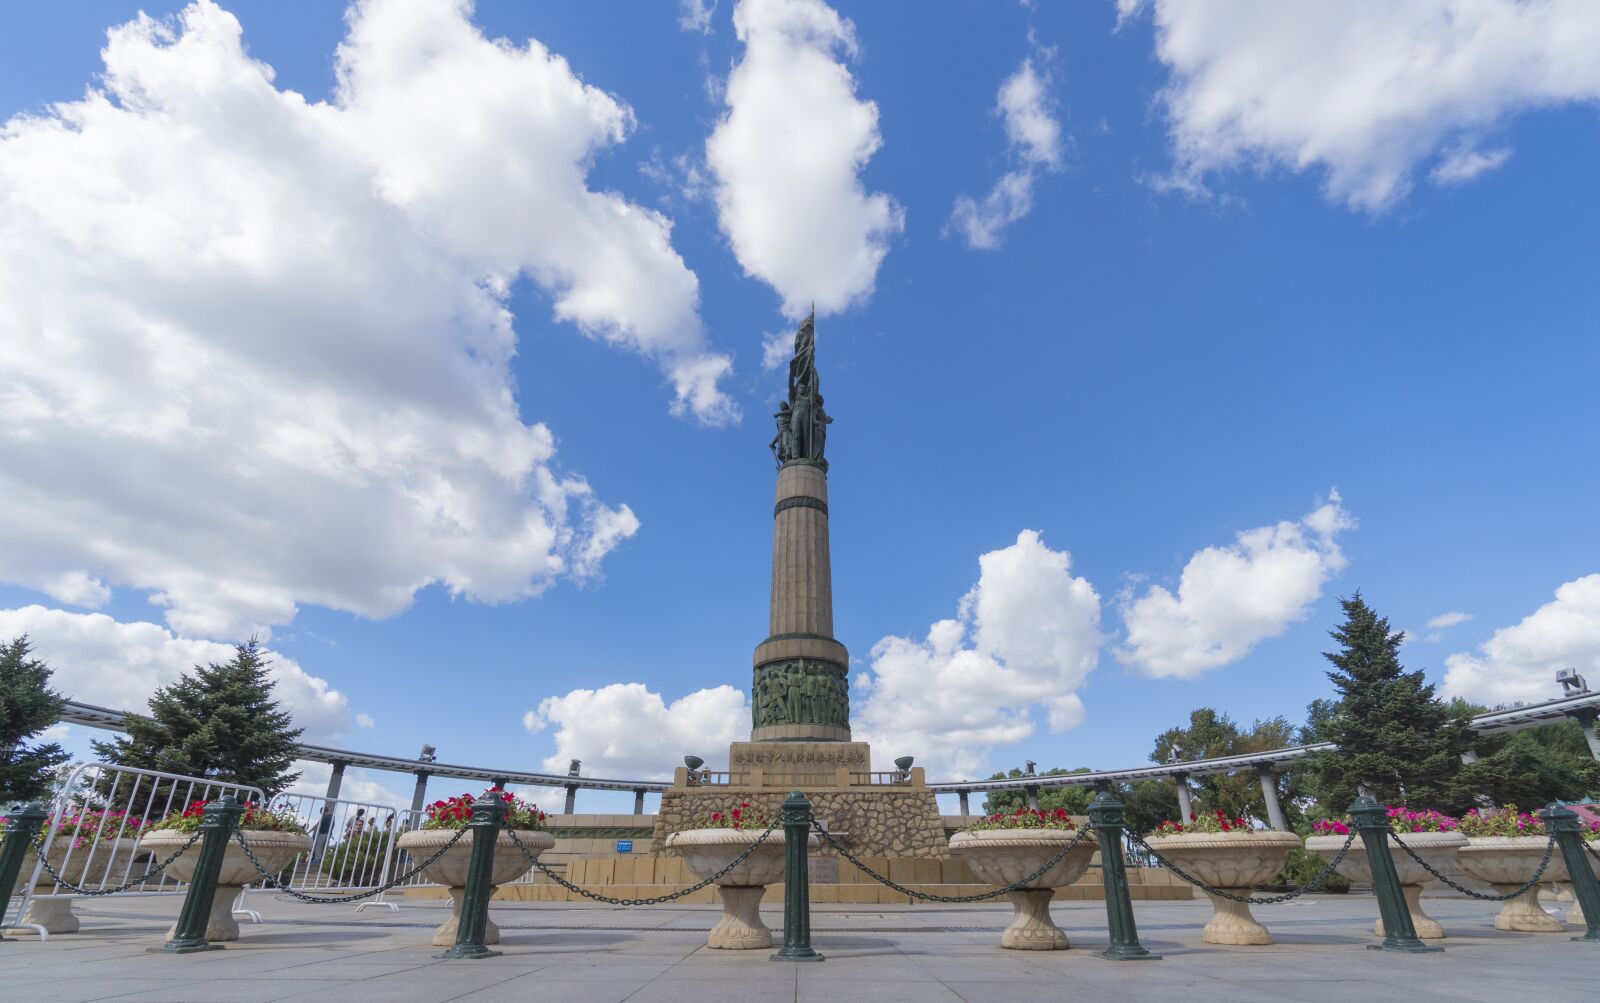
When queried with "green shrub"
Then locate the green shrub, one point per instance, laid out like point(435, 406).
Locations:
point(1304, 865)
point(357, 859)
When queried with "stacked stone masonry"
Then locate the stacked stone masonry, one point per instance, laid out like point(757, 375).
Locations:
point(880, 821)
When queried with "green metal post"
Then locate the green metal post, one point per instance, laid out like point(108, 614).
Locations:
point(487, 813)
point(796, 882)
point(1105, 814)
point(221, 818)
point(1372, 822)
point(15, 852)
point(1563, 824)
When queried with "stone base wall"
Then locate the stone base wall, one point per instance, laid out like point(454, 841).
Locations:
point(878, 821)
point(648, 876)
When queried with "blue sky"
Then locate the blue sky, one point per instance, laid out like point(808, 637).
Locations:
point(1362, 288)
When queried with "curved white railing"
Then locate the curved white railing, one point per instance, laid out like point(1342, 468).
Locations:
point(1585, 705)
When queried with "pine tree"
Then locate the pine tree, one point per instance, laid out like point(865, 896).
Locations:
point(219, 722)
point(27, 706)
point(1395, 736)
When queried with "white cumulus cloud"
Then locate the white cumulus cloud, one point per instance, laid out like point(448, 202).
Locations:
point(1034, 138)
point(1026, 636)
point(1362, 90)
point(1231, 598)
point(787, 157)
point(1449, 619)
point(255, 350)
point(102, 661)
point(627, 730)
point(372, 787)
point(1519, 663)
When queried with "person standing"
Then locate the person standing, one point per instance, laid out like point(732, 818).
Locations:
point(324, 829)
point(356, 824)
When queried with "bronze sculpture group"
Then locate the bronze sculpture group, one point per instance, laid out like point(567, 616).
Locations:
point(802, 423)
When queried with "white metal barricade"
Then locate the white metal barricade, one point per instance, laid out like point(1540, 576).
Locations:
point(352, 845)
point(91, 838)
point(406, 821)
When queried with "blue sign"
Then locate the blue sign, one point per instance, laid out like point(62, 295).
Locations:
point(624, 846)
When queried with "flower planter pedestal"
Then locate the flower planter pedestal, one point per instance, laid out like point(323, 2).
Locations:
point(450, 869)
point(1506, 862)
point(1236, 863)
point(275, 850)
point(707, 851)
point(1005, 856)
point(1437, 848)
point(91, 866)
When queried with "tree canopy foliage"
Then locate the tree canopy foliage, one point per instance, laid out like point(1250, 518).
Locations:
point(220, 722)
point(1396, 738)
point(27, 707)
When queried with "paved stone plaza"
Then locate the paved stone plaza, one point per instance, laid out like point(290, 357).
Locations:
point(882, 954)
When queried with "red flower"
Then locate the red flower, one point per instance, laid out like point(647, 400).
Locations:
point(716, 816)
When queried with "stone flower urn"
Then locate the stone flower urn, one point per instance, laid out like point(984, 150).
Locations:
point(1506, 862)
point(450, 869)
point(1437, 848)
point(275, 850)
point(1236, 862)
point(707, 851)
point(1004, 856)
point(91, 866)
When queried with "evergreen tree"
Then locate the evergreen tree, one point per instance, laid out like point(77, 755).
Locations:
point(1394, 736)
point(27, 706)
point(219, 722)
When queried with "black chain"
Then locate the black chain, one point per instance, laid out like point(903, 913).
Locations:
point(141, 879)
point(273, 882)
point(1292, 893)
point(926, 897)
point(656, 900)
point(1588, 845)
point(1545, 862)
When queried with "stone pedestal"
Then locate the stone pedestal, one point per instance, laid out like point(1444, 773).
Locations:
point(876, 814)
point(1231, 922)
point(1031, 927)
point(740, 928)
point(774, 764)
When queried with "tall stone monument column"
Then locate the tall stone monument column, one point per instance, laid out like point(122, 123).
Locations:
point(800, 700)
point(801, 689)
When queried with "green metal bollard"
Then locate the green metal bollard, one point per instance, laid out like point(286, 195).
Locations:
point(1563, 823)
point(1372, 822)
point(796, 882)
point(1105, 814)
point(216, 828)
point(487, 813)
point(15, 852)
